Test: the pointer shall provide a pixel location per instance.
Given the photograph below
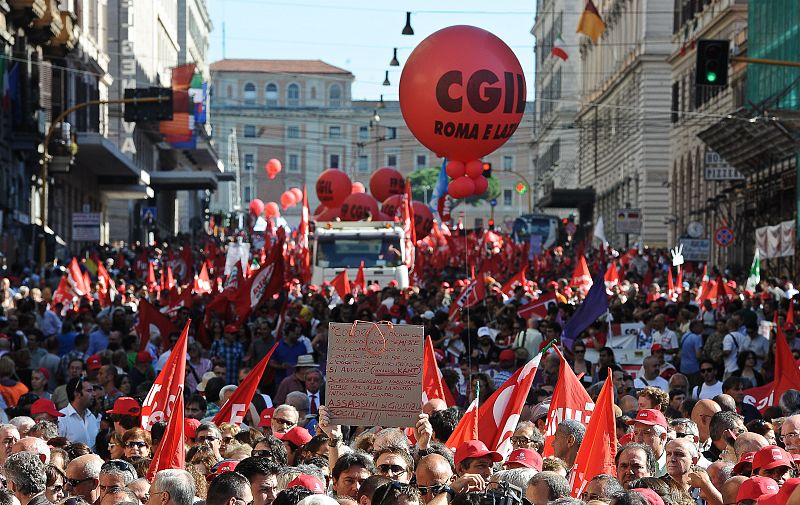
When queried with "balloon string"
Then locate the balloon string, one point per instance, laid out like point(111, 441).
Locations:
point(372, 325)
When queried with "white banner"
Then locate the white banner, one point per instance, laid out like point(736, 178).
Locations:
point(776, 241)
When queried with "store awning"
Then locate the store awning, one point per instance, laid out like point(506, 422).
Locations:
point(117, 175)
point(751, 141)
point(183, 180)
point(226, 177)
point(556, 198)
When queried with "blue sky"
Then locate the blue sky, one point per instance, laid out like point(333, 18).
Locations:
point(359, 35)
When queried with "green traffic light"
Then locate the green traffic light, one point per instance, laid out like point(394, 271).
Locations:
point(711, 76)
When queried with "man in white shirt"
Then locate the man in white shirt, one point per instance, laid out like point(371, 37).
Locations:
point(732, 343)
point(757, 343)
point(78, 423)
point(650, 376)
point(711, 386)
point(662, 335)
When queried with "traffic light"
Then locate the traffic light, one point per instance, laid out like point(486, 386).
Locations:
point(148, 111)
point(491, 223)
point(521, 188)
point(712, 62)
point(487, 170)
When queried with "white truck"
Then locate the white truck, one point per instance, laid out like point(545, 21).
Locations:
point(340, 245)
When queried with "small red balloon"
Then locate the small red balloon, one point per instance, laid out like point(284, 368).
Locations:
point(455, 169)
point(358, 188)
point(256, 206)
point(333, 186)
point(391, 204)
point(287, 199)
point(298, 194)
point(481, 185)
point(273, 167)
point(359, 206)
point(474, 168)
point(386, 182)
point(461, 187)
point(423, 219)
point(271, 210)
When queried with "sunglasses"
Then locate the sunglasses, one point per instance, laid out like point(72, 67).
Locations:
point(706, 370)
point(207, 438)
point(77, 482)
point(131, 445)
point(434, 490)
point(393, 469)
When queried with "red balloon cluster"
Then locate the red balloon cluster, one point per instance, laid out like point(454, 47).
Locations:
point(273, 167)
point(291, 197)
point(466, 179)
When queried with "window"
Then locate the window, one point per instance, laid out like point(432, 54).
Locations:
point(508, 197)
point(294, 163)
point(391, 133)
point(293, 95)
point(250, 94)
point(249, 131)
point(422, 161)
point(230, 91)
point(363, 163)
point(248, 193)
point(335, 95)
point(363, 133)
point(391, 160)
point(293, 132)
point(249, 162)
point(313, 93)
point(271, 95)
point(334, 132)
point(508, 163)
point(334, 161)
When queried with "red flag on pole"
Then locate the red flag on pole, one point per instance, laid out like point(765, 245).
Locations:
point(341, 284)
point(466, 429)
point(302, 241)
point(361, 280)
point(599, 448)
point(787, 375)
point(611, 278)
point(538, 308)
point(160, 403)
point(703, 291)
point(170, 278)
point(76, 279)
point(202, 284)
point(152, 284)
point(581, 278)
point(170, 452)
point(790, 313)
point(236, 407)
point(264, 283)
point(150, 315)
point(511, 284)
point(570, 401)
point(432, 384)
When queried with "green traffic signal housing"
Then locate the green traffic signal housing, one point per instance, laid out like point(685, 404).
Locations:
point(712, 63)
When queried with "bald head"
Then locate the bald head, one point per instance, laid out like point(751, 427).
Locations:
point(433, 405)
point(432, 470)
point(629, 404)
point(35, 446)
point(719, 472)
point(731, 488)
point(748, 442)
point(685, 444)
point(701, 415)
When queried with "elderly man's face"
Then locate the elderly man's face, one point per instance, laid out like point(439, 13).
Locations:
point(790, 434)
point(632, 465)
point(8, 437)
point(284, 420)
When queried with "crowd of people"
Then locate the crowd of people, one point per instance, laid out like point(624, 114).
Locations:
point(73, 380)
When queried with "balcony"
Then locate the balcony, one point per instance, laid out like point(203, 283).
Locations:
point(28, 9)
point(49, 24)
point(68, 36)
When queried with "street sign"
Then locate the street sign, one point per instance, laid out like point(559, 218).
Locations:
point(723, 236)
point(571, 228)
point(148, 214)
point(629, 221)
point(86, 226)
point(717, 169)
point(493, 202)
point(695, 249)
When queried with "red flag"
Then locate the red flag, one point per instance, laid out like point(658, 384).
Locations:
point(160, 403)
point(432, 384)
point(304, 262)
point(264, 282)
point(150, 315)
point(63, 294)
point(202, 285)
point(538, 308)
point(570, 401)
point(790, 313)
point(679, 283)
point(581, 278)
point(341, 284)
point(787, 375)
point(599, 448)
point(511, 284)
point(87, 282)
point(170, 283)
point(611, 278)
point(152, 284)
point(76, 279)
point(407, 220)
point(671, 295)
point(703, 291)
point(236, 407)
point(361, 281)
point(466, 429)
point(469, 296)
point(170, 452)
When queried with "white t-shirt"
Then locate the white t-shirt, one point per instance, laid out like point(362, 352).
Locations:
point(707, 392)
point(734, 342)
point(659, 382)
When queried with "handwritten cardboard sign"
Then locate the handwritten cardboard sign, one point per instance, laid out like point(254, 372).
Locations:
point(374, 374)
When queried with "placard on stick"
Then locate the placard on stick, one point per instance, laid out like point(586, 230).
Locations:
point(374, 374)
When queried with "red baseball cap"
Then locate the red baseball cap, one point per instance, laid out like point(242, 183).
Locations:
point(782, 496)
point(93, 362)
point(126, 406)
point(755, 487)
point(527, 458)
point(650, 417)
point(227, 465)
point(266, 417)
point(231, 328)
point(508, 355)
point(45, 406)
point(298, 435)
point(651, 496)
point(770, 457)
point(190, 427)
point(309, 482)
point(656, 347)
point(743, 464)
point(475, 449)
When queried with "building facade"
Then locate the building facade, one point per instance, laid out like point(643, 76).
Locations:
point(302, 113)
point(623, 120)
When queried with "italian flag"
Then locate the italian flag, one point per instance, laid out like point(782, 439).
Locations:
point(558, 48)
point(755, 273)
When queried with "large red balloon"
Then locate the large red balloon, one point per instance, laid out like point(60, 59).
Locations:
point(273, 167)
point(256, 206)
point(423, 219)
point(333, 186)
point(298, 194)
point(461, 187)
point(462, 92)
point(287, 199)
point(359, 206)
point(271, 210)
point(358, 188)
point(391, 204)
point(386, 182)
point(320, 208)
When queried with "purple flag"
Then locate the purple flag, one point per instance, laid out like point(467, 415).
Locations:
point(594, 305)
